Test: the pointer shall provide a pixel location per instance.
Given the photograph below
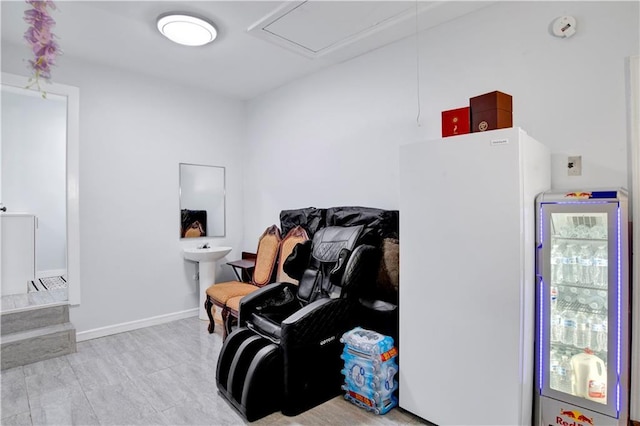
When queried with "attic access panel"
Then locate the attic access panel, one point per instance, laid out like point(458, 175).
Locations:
point(314, 28)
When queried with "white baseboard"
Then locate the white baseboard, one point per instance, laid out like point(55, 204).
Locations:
point(51, 273)
point(134, 325)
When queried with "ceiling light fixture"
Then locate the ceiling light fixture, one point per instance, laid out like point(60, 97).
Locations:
point(186, 29)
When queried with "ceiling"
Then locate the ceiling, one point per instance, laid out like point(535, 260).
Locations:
point(261, 45)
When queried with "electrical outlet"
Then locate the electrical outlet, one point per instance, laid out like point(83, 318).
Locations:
point(574, 166)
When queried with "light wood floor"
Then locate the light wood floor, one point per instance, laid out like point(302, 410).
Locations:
point(161, 375)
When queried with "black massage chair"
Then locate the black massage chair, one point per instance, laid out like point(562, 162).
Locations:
point(285, 354)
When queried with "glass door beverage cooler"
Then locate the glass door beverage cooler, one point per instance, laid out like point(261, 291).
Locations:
point(582, 309)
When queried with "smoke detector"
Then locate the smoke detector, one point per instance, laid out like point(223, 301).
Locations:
point(564, 26)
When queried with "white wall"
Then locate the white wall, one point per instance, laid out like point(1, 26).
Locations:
point(332, 138)
point(134, 131)
point(33, 169)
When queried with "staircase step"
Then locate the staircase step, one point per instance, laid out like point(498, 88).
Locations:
point(35, 317)
point(35, 345)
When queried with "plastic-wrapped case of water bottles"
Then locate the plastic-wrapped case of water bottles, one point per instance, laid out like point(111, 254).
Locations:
point(369, 370)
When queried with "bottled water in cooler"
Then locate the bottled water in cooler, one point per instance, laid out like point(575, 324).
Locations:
point(570, 272)
point(556, 326)
point(598, 332)
point(565, 294)
point(565, 375)
point(568, 327)
point(600, 268)
point(556, 318)
point(596, 303)
point(582, 331)
point(554, 364)
point(557, 264)
point(584, 295)
point(585, 264)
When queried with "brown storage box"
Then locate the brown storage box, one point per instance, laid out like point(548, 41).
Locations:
point(455, 122)
point(491, 111)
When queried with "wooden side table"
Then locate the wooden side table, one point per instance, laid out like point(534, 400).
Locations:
point(243, 268)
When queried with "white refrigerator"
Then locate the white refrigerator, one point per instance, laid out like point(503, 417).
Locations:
point(467, 298)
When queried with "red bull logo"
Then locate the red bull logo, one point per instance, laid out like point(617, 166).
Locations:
point(577, 418)
point(578, 195)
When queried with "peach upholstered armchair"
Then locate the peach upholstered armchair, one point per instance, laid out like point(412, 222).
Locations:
point(294, 236)
point(263, 273)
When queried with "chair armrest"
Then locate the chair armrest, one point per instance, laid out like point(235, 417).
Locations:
point(250, 302)
point(318, 323)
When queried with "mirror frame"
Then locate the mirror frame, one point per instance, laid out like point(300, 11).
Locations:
point(72, 174)
point(224, 199)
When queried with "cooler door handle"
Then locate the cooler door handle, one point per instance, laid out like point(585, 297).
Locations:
point(538, 261)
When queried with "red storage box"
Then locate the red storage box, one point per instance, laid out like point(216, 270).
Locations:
point(455, 122)
point(491, 111)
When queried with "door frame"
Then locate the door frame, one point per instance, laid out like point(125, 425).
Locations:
point(634, 136)
point(73, 173)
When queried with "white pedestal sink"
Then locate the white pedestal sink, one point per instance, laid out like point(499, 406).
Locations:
point(206, 258)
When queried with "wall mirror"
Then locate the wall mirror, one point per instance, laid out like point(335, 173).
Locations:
point(202, 201)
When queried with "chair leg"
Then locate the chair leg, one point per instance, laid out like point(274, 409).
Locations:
point(225, 318)
point(230, 319)
point(208, 304)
